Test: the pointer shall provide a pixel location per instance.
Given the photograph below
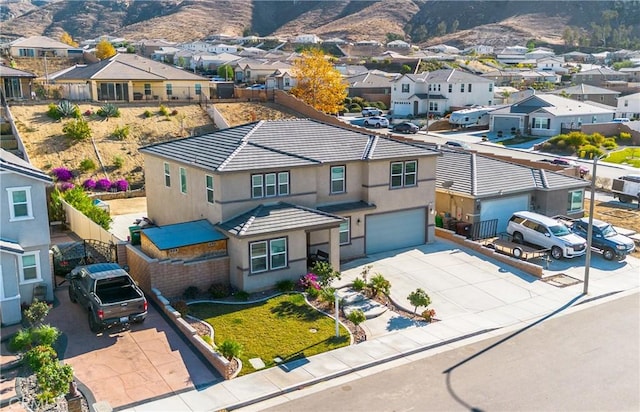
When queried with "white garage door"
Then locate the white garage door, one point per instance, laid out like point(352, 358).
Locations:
point(502, 209)
point(389, 231)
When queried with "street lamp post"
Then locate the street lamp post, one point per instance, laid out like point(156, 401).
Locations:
point(587, 261)
point(335, 296)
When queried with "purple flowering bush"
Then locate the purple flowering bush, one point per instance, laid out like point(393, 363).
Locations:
point(120, 185)
point(309, 281)
point(66, 186)
point(89, 184)
point(62, 174)
point(103, 184)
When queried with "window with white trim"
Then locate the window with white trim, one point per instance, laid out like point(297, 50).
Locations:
point(269, 184)
point(491, 87)
point(337, 179)
point(169, 89)
point(198, 89)
point(433, 106)
point(345, 237)
point(209, 185)
point(405, 88)
point(541, 123)
point(576, 200)
point(268, 255)
point(147, 89)
point(167, 175)
point(462, 87)
point(450, 88)
point(183, 180)
point(404, 174)
point(29, 267)
point(19, 203)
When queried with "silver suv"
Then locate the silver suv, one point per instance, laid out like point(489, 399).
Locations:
point(371, 111)
point(545, 232)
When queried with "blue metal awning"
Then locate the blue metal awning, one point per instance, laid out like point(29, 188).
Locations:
point(183, 234)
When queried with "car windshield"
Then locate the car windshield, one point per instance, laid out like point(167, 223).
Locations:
point(608, 231)
point(559, 230)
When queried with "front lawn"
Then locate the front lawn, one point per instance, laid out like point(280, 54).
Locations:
point(629, 156)
point(517, 140)
point(283, 326)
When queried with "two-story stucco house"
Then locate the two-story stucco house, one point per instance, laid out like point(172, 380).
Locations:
point(24, 235)
point(280, 191)
point(438, 92)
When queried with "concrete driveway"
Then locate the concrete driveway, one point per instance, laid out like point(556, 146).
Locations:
point(127, 367)
point(461, 283)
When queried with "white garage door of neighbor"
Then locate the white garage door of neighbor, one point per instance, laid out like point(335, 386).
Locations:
point(396, 230)
point(502, 209)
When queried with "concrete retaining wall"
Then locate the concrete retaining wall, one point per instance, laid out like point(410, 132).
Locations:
point(527, 267)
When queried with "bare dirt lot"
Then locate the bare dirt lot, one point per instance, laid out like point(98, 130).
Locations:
point(620, 215)
point(48, 148)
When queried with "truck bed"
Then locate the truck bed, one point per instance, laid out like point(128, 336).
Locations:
point(117, 294)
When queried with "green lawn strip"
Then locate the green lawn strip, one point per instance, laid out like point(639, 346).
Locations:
point(630, 156)
point(278, 327)
point(516, 140)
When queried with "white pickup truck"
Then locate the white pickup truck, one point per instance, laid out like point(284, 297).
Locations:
point(627, 188)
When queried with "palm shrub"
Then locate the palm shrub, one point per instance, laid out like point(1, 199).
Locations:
point(327, 294)
point(379, 285)
point(230, 349)
point(68, 109)
point(163, 110)
point(147, 113)
point(109, 110)
point(77, 129)
point(358, 284)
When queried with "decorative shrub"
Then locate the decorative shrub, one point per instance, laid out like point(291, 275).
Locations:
point(174, 112)
point(53, 380)
point(62, 174)
point(89, 184)
point(589, 151)
point(325, 273)
point(358, 284)
point(326, 294)
point(120, 185)
point(191, 292)
point(147, 113)
point(88, 112)
point(87, 164)
point(625, 135)
point(109, 110)
point(312, 293)
point(182, 307)
point(68, 109)
point(52, 112)
point(285, 285)
point(219, 290)
point(36, 312)
point(103, 184)
point(230, 349)
point(118, 162)
point(77, 129)
point(121, 133)
point(241, 295)
point(309, 281)
point(79, 199)
point(379, 285)
point(163, 110)
point(40, 355)
point(609, 144)
point(429, 314)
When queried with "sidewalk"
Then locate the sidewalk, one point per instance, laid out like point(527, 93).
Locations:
point(475, 297)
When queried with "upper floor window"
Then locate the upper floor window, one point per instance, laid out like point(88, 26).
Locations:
point(19, 203)
point(209, 185)
point(626, 103)
point(183, 180)
point(469, 88)
point(490, 87)
point(270, 184)
point(337, 179)
point(198, 89)
point(169, 89)
point(268, 255)
point(450, 88)
point(462, 87)
point(405, 88)
point(30, 267)
point(345, 237)
point(404, 174)
point(167, 175)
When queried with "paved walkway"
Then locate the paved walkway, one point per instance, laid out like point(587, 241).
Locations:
point(473, 296)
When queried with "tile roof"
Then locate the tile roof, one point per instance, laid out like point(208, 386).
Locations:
point(40, 42)
point(129, 67)
point(281, 143)
point(183, 234)
point(553, 104)
point(346, 207)
point(584, 88)
point(479, 175)
point(279, 217)
point(12, 163)
point(6, 71)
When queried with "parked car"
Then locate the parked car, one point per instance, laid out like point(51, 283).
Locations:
point(570, 163)
point(546, 232)
point(371, 111)
point(627, 188)
point(621, 120)
point(406, 127)
point(256, 87)
point(604, 237)
point(377, 121)
point(456, 145)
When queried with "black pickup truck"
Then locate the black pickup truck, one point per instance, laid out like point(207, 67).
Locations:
point(610, 243)
point(109, 294)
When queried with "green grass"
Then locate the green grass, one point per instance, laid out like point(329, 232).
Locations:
point(629, 156)
point(516, 140)
point(281, 326)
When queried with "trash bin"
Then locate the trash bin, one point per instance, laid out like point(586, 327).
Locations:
point(463, 228)
point(439, 222)
point(134, 235)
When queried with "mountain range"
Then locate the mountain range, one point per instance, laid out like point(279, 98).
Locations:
point(423, 22)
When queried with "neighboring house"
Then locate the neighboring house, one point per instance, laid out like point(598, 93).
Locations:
point(370, 86)
point(598, 77)
point(165, 54)
point(280, 191)
point(444, 49)
point(479, 49)
point(40, 46)
point(281, 79)
point(16, 84)
point(147, 47)
point(586, 92)
point(476, 188)
point(629, 106)
point(24, 236)
point(546, 115)
point(307, 39)
point(438, 92)
point(254, 71)
point(576, 56)
point(632, 74)
point(504, 94)
point(539, 53)
point(505, 77)
point(350, 69)
point(398, 44)
point(512, 55)
point(204, 47)
point(213, 61)
point(553, 63)
point(129, 77)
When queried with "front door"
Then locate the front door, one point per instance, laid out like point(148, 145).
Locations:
point(415, 108)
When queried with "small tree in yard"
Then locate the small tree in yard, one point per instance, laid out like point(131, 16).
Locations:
point(319, 83)
point(230, 349)
point(104, 50)
point(419, 298)
point(357, 317)
point(325, 273)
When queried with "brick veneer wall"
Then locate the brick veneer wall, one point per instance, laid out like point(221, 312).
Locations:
point(530, 268)
point(172, 277)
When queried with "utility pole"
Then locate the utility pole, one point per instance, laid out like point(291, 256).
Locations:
point(587, 261)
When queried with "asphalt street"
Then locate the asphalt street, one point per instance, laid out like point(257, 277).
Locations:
point(586, 360)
